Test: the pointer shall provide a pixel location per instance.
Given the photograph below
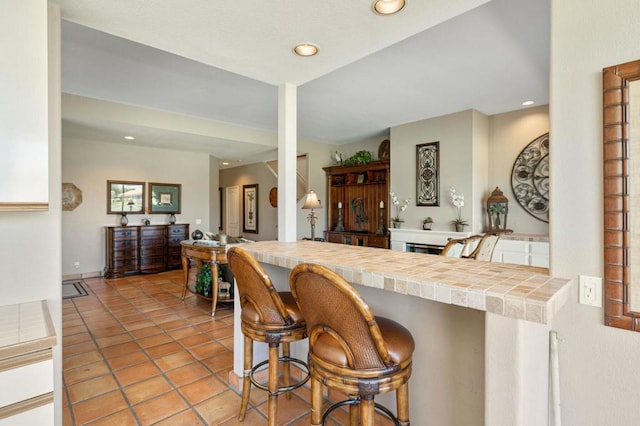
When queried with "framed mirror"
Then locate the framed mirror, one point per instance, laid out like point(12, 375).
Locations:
point(621, 190)
point(125, 197)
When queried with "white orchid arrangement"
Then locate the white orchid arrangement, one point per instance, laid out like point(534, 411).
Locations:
point(457, 199)
point(400, 207)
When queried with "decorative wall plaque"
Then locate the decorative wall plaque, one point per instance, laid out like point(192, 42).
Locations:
point(530, 178)
point(428, 174)
point(71, 196)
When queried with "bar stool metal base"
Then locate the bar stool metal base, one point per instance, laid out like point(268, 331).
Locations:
point(356, 401)
point(281, 389)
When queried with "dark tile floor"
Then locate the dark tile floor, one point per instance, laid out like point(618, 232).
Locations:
point(135, 354)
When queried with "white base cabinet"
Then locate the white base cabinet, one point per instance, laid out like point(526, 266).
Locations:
point(521, 252)
point(27, 337)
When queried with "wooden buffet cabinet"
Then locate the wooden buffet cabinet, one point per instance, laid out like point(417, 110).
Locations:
point(143, 249)
point(359, 189)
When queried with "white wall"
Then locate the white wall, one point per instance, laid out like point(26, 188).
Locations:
point(509, 134)
point(30, 247)
point(23, 110)
point(600, 377)
point(89, 165)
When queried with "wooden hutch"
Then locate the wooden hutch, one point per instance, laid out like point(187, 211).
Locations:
point(360, 190)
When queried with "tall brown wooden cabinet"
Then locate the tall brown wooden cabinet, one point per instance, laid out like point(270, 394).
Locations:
point(143, 249)
point(359, 189)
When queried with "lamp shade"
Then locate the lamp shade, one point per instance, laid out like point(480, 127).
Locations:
point(312, 201)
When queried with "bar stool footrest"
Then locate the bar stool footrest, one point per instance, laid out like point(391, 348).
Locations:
point(282, 389)
point(356, 401)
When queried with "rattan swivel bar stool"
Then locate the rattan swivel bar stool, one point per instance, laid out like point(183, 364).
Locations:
point(351, 350)
point(267, 316)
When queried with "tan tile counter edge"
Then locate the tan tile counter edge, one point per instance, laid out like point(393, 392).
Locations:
point(514, 291)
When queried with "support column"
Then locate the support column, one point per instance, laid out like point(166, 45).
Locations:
point(516, 372)
point(287, 149)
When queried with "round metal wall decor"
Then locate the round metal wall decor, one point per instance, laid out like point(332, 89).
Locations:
point(530, 178)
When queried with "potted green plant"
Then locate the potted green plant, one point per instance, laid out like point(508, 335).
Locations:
point(359, 158)
point(426, 223)
point(204, 280)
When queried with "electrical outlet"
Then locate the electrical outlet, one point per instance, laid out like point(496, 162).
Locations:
point(198, 221)
point(590, 291)
point(76, 265)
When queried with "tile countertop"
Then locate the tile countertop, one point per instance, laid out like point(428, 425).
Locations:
point(24, 328)
point(514, 291)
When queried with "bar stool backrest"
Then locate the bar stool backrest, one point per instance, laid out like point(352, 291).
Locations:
point(333, 309)
point(259, 299)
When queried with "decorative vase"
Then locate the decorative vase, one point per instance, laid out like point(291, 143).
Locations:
point(427, 226)
point(197, 234)
point(459, 227)
point(172, 218)
point(124, 220)
point(396, 224)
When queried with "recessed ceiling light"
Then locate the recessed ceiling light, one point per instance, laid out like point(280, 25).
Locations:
point(306, 49)
point(527, 103)
point(388, 7)
point(129, 138)
point(225, 163)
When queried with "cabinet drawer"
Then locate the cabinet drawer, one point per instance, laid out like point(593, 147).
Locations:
point(125, 233)
point(539, 247)
point(125, 244)
point(153, 263)
point(152, 242)
point(175, 242)
point(27, 381)
point(151, 251)
point(513, 245)
point(177, 230)
point(333, 237)
point(380, 242)
point(151, 232)
point(125, 265)
point(126, 253)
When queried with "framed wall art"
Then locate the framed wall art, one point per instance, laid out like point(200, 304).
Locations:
point(428, 174)
point(250, 208)
point(125, 197)
point(164, 197)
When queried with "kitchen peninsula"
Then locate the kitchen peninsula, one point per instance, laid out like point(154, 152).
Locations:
point(481, 328)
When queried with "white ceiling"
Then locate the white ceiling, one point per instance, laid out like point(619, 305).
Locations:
point(197, 59)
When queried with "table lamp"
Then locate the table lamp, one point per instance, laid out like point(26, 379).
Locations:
point(312, 203)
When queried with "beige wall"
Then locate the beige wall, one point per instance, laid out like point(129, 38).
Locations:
point(455, 134)
point(89, 165)
point(509, 134)
point(599, 374)
point(476, 155)
point(257, 173)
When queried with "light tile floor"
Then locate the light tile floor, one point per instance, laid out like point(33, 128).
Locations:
point(135, 354)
